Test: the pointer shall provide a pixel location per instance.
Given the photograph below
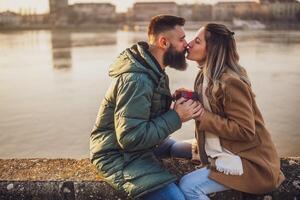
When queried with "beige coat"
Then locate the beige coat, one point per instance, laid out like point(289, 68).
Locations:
point(241, 129)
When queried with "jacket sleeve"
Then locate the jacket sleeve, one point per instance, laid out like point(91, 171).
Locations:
point(134, 128)
point(239, 123)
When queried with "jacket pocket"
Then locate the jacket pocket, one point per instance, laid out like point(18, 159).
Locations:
point(238, 147)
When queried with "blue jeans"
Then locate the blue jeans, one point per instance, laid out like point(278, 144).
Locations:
point(197, 184)
point(169, 192)
point(169, 148)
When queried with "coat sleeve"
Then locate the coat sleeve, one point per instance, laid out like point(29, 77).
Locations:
point(239, 123)
point(134, 128)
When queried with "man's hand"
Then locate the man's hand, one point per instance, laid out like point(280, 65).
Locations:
point(188, 109)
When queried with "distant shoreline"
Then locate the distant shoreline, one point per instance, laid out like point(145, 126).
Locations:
point(102, 28)
point(142, 26)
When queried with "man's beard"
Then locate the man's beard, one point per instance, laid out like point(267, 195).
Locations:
point(175, 59)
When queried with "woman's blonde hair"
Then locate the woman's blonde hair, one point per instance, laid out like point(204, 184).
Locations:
point(221, 55)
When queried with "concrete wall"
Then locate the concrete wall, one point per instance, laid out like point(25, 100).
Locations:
point(78, 179)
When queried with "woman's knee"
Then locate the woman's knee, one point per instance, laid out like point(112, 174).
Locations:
point(190, 182)
point(185, 184)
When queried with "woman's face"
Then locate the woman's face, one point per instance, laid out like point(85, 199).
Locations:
point(197, 47)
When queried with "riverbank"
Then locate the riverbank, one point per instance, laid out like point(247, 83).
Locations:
point(83, 27)
point(142, 26)
point(78, 179)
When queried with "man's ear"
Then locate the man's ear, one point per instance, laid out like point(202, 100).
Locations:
point(163, 42)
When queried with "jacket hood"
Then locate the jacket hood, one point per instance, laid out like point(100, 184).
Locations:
point(136, 59)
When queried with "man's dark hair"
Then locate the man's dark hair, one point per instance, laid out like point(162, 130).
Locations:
point(161, 23)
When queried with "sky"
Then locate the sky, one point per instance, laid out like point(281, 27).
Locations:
point(41, 6)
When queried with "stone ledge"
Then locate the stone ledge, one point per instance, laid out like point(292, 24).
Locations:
point(78, 179)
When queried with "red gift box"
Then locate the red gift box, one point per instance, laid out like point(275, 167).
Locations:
point(186, 94)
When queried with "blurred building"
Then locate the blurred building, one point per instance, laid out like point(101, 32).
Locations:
point(121, 17)
point(9, 18)
point(58, 10)
point(35, 19)
point(93, 12)
point(202, 12)
point(144, 11)
point(195, 12)
point(282, 10)
point(227, 11)
point(186, 11)
point(57, 6)
point(276, 1)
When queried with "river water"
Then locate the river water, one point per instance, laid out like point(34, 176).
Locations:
point(52, 82)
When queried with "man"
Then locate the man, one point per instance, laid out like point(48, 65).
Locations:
point(135, 119)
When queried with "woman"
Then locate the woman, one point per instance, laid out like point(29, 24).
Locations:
point(232, 140)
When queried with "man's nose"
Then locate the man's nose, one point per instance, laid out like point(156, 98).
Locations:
point(185, 44)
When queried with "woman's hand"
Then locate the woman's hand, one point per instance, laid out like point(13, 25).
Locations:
point(187, 109)
point(200, 113)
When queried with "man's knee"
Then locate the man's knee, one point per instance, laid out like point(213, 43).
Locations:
point(181, 150)
point(163, 149)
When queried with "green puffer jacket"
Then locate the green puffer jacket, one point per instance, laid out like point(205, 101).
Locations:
point(133, 118)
